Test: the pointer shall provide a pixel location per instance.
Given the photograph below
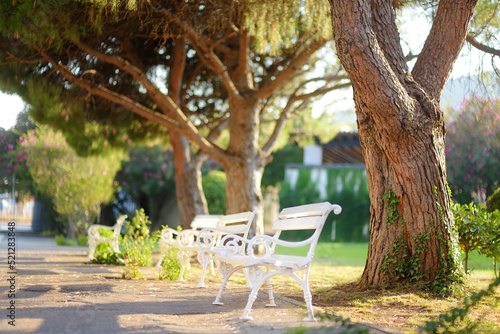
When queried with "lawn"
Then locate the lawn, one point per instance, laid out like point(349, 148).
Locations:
point(337, 267)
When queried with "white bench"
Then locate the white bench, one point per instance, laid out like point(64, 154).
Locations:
point(209, 239)
point(238, 253)
point(95, 237)
point(185, 240)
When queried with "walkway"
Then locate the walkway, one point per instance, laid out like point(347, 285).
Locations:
point(57, 292)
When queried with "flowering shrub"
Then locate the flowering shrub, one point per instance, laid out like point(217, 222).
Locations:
point(77, 185)
point(12, 161)
point(148, 172)
point(473, 150)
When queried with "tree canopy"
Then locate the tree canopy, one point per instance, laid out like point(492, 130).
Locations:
point(190, 68)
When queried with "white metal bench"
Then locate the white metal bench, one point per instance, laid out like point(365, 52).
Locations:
point(209, 238)
point(185, 240)
point(238, 253)
point(95, 237)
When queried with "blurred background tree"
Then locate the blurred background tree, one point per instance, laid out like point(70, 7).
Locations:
point(78, 186)
point(473, 150)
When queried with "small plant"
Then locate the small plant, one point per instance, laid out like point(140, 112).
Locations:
point(82, 240)
point(61, 241)
point(104, 254)
point(171, 266)
point(478, 230)
point(138, 245)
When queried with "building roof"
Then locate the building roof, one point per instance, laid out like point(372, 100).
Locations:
point(344, 148)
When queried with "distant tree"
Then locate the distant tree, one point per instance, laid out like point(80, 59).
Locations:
point(473, 150)
point(193, 68)
point(78, 186)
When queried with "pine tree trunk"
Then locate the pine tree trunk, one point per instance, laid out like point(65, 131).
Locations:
point(409, 164)
point(190, 197)
point(245, 166)
point(189, 192)
point(401, 128)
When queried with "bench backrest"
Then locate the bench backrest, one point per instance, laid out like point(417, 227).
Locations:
point(305, 217)
point(238, 223)
point(205, 221)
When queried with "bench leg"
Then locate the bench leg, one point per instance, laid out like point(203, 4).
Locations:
point(251, 299)
point(271, 296)
point(158, 264)
point(183, 257)
point(226, 270)
point(92, 247)
point(307, 295)
point(204, 260)
point(114, 245)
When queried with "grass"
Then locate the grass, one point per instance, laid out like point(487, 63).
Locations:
point(338, 266)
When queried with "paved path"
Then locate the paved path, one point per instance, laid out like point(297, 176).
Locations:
point(56, 291)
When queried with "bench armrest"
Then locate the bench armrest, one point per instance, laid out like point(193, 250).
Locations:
point(231, 245)
point(187, 237)
point(168, 235)
point(93, 230)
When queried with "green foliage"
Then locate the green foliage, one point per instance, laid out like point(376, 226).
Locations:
point(149, 172)
point(170, 265)
point(78, 186)
point(402, 265)
point(473, 150)
point(274, 172)
point(347, 187)
point(104, 254)
point(478, 230)
point(453, 320)
point(62, 241)
point(138, 226)
point(493, 202)
point(138, 245)
point(214, 187)
point(295, 18)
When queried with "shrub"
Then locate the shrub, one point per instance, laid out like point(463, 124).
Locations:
point(138, 245)
point(171, 265)
point(493, 202)
point(214, 187)
point(472, 150)
point(478, 230)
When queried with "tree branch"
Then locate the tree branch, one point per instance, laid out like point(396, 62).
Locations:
point(482, 47)
point(443, 45)
point(205, 52)
point(283, 76)
point(109, 95)
point(165, 103)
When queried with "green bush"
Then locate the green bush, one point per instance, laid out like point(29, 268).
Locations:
point(493, 202)
point(171, 265)
point(62, 241)
point(138, 245)
point(104, 254)
point(214, 187)
point(478, 230)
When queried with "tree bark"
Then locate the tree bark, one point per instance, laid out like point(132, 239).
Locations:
point(190, 197)
point(187, 170)
point(401, 129)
